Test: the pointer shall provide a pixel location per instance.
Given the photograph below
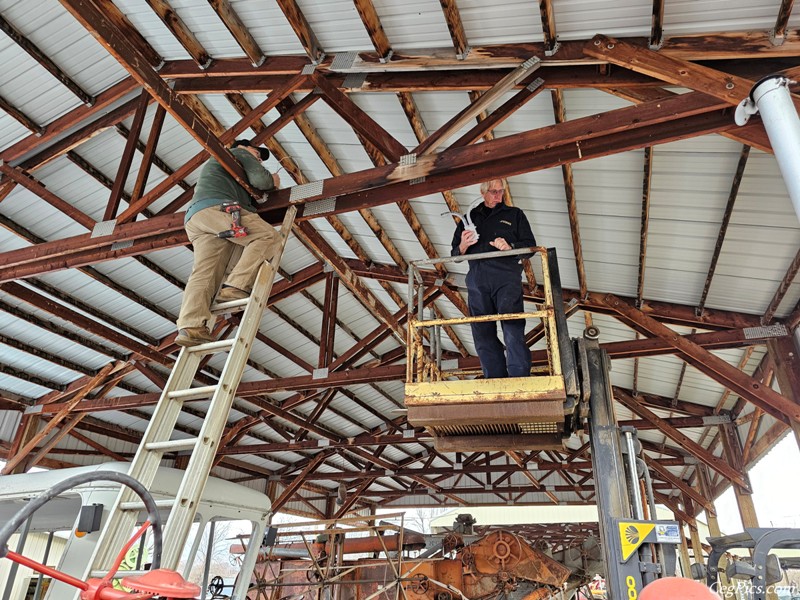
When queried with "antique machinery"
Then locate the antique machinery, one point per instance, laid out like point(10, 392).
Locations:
point(572, 391)
point(499, 564)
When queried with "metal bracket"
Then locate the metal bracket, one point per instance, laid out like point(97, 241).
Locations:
point(306, 190)
point(387, 58)
point(450, 364)
point(308, 69)
point(121, 245)
point(343, 61)
point(776, 330)
point(465, 54)
point(318, 207)
point(408, 434)
point(551, 51)
point(535, 84)
point(354, 80)
point(103, 228)
point(319, 373)
point(408, 159)
point(776, 40)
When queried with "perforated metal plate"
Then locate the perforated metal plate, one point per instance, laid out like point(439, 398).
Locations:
point(306, 190)
point(318, 207)
point(535, 84)
point(777, 330)
point(103, 228)
point(343, 61)
point(121, 245)
point(354, 81)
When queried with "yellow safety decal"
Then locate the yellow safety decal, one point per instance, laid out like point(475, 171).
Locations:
point(631, 536)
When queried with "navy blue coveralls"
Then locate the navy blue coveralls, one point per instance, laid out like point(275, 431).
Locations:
point(494, 286)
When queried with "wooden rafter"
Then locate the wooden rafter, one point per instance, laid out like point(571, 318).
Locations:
point(302, 30)
point(238, 30)
point(182, 33)
point(456, 28)
point(726, 219)
point(372, 23)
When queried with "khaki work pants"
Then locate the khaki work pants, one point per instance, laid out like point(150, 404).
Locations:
point(211, 257)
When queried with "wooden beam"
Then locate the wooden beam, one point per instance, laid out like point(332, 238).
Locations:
point(724, 86)
point(149, 154)
point(302, 29)
point(453, 19)
point(783, 288)
point(103, 101)
point(182, 33)
point(682, 440)
point(782, 21)
point(726, 219)
point(372, 23)
point(501, 113)
point(657, 25)
point(560, 114)
point(716, 368)
point(436, 139)
point(238, 30)
point(360, 120)
point(548, 17)
point(646, 183)
point(20, 117)
point(77, 136)
point(124, 168)
point(35, 187)
point(23, 452)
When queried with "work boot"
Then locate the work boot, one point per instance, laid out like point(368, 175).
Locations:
point(229, 293)
point(192, 336)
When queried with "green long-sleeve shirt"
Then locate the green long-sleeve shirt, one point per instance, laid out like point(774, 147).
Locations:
point(216, 186)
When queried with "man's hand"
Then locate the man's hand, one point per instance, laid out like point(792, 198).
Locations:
point(468, 238)
point(276, 180)
point(500, 244)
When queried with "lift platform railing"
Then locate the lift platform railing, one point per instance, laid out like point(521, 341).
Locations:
point(461, 412)
point(424, 361)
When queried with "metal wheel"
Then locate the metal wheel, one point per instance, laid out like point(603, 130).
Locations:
point(506, 550)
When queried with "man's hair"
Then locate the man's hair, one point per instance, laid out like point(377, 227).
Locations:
point(264, 152)
point(485, 186)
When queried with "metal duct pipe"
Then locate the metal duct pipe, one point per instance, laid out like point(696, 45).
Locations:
point(772, 99)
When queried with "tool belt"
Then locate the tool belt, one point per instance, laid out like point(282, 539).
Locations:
point(235, 211)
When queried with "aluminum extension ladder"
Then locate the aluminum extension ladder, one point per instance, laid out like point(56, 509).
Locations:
point(156, 440)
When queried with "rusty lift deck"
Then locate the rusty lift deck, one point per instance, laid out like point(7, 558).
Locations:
point(465, 414)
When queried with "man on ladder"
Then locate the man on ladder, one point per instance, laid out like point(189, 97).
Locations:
point(221, 215)
point(222, 212)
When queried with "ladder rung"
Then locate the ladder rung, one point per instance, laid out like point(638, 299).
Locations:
point(212, 346)
point(198, 393)
point(139, 506)
point(230, 306)
point(172, 445)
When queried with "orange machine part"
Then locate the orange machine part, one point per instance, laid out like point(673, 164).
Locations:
point(671, 588)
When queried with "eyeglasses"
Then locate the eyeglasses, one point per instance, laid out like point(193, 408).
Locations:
point(495, 192)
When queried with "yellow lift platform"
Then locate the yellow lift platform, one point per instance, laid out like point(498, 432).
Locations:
point(468, 414)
